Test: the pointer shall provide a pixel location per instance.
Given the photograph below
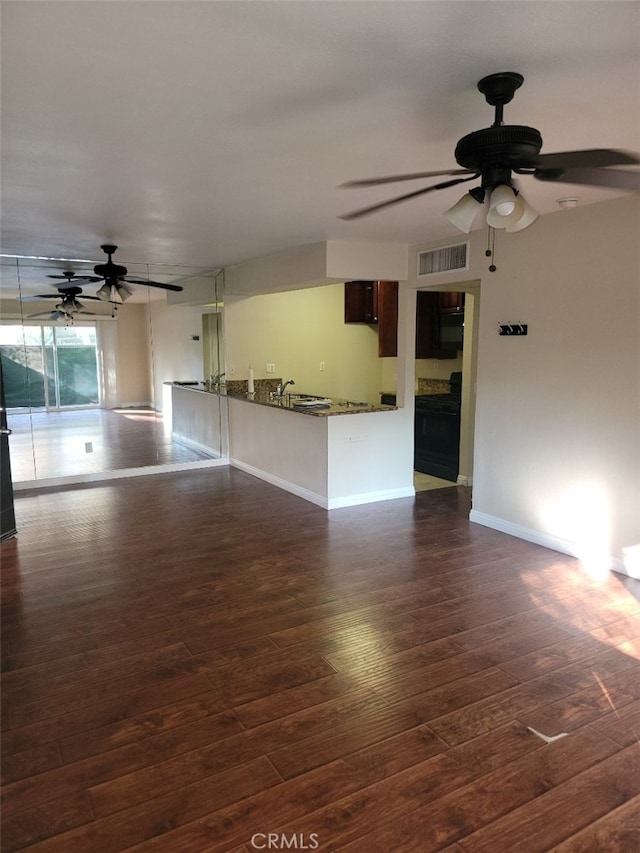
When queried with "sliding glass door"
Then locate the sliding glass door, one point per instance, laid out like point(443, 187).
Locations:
point(50, 367)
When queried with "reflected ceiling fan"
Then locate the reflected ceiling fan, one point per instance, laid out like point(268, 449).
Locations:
point(115, 279)
point(68, 306)
point(494, 154)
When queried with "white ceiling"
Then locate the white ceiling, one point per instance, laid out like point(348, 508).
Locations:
point(205, 134)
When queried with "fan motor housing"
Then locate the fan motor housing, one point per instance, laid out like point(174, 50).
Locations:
point(510, 145)
point(110, 270)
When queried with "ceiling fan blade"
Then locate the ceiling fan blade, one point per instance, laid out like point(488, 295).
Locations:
point(39, 297)
point(174, 287)
point(590, 158)
point(372, 208)
point(52, 315)
point(615, 178)
point(76, 277)
point(373, 182)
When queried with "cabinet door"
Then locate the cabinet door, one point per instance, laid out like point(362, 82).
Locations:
point(450, 303)
point(387, 318)
point(361, 302)
point(427, 304)
point(425, 324)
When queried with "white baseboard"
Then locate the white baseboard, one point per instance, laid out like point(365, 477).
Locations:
point(539, 537)
point(135, 404)
point(307, 494)
point(322, 500)
point(195, 445)
point(372, 497)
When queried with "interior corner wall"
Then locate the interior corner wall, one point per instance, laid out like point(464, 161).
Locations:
point(174, 355)
point(557, 438)
point(132, 369)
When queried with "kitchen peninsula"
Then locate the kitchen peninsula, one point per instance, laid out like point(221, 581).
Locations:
point(343, 454)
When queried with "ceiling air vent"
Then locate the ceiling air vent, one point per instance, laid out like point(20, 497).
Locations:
point(443, 260)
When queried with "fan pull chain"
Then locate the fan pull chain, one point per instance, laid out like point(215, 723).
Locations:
point(491, 247)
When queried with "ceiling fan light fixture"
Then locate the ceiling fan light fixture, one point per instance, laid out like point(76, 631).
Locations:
point(104, 292)
point(464, 211)
point(123, 292)
point(502, 203)
point(523, 216)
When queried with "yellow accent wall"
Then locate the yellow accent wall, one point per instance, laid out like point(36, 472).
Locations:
point(296, 331)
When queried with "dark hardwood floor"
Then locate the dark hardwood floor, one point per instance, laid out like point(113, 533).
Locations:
point(194, 661)
point(47, 445)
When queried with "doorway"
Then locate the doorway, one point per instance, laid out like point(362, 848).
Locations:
point(434, 376)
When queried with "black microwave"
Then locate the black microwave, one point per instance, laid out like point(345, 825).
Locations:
point(450, 331)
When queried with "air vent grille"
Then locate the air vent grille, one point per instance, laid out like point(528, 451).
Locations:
point(443, 260)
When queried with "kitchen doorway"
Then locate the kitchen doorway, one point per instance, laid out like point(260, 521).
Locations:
point(445, 388)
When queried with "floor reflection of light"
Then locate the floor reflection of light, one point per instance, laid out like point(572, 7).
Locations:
point(582, 517)
point(603, 607)
point(140, 414)
point(631, 560)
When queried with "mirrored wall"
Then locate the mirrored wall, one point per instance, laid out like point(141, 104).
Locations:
point(96, 387)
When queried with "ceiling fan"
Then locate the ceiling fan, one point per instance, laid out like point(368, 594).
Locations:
point(495, 153)
point(68, 306)
point(115, 279)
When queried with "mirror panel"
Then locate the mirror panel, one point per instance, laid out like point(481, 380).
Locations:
point(89, 393)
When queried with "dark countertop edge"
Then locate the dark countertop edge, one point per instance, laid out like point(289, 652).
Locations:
point(318, 413)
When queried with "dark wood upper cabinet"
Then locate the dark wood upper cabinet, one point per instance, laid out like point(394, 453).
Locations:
point(427, 310)
point(374, 303)
point(425, 324)
point(450, 303)
point(361, 302)
point(387, 318)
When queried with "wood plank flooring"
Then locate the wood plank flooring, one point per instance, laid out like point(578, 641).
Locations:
point(46, 445)
point(201, 662)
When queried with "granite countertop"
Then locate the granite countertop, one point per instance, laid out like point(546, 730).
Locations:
point(310, 404)
point(333, 407)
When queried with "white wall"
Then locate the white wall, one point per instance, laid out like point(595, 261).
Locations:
point(319, 263)
point(557, 444)
point(174, 355)
point(334, 461)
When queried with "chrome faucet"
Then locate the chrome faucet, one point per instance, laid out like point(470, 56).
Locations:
point(215, 381)
point(282, 386)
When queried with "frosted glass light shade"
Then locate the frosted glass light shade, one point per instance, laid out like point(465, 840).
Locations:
point(526, 216)
point(502, 203)
point(123, 292)
point(104, 292)
point(463, 212)
point(521, 214)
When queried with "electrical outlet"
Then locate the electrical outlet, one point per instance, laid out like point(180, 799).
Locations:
point(88, 447)
point(271, 368)
point(322, 367)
